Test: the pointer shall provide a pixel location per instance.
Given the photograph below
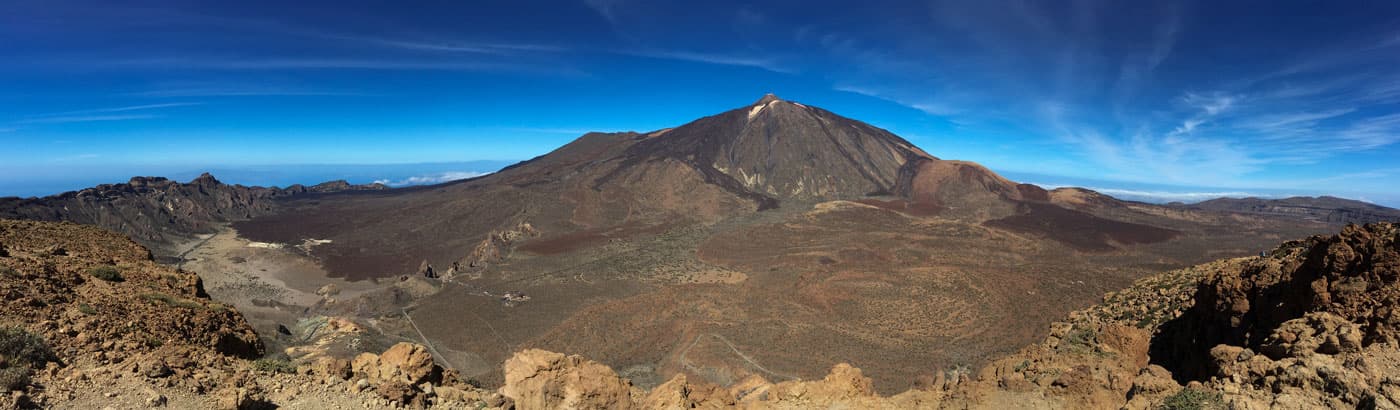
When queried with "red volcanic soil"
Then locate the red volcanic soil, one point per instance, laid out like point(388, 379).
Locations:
point(1080, 230)
point(905, 206)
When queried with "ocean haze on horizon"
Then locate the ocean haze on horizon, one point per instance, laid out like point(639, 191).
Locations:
point(282, 175)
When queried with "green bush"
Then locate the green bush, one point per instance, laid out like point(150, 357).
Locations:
point(14, 378)
point(1194, 399)
point(106, 272)
point(8, 272)
point(23, 352)
point(87, 309)
point(275, 365)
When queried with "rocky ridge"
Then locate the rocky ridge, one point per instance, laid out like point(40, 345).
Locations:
point(158, 212)
point(1324, 209)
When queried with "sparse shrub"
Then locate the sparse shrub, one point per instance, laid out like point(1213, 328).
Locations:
point(107, 272)
point(23, 351)
point(1080, 337)
point(8, 272)
point(1022, 366)
point(171, 300)
point(154, 342)
point(87, 309)
point(275, 365)
point(1194, 399)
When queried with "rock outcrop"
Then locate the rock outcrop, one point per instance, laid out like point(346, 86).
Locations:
point(538, 379)
point(1316, 320)
point(495, 247)
point(107, 326)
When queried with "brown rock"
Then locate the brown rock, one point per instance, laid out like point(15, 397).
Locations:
point(678, 393)
point(538, 379)
point(240, 399)
point(409, 363)
point(333, 367)
point(398, 392)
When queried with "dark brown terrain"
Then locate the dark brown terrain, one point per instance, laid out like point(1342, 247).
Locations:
point(775, 239)
point(158, 212)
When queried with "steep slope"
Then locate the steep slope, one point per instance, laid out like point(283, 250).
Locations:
point(158, 212)
point(1323, 209)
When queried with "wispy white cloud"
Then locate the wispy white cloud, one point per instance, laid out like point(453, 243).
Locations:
point(294, 63)
point(102, 114)
point(142, 107)
point(766, 63)
point(76, 157)
point(238, 91)
point(929, 106)
point(87, 118)
point(431, 179)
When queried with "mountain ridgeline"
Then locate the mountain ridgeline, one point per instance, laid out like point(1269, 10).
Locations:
point(1324, 209)
point(158, 212)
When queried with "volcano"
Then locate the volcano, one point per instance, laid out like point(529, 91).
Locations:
point(771, 240)
point(770, 154)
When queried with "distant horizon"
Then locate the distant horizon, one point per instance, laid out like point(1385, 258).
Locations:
point(402, 175)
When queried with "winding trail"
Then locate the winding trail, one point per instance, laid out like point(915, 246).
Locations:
point(685, 362)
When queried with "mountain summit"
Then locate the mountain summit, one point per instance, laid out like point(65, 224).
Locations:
point(778, 149)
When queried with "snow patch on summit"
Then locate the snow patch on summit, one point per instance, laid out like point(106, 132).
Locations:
point(759, 108)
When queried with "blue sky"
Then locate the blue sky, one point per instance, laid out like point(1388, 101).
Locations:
point(1188, 98)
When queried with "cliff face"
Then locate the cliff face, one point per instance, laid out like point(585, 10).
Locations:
point(158, 212)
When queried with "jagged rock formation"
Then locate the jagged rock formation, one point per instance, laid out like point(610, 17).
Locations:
point(1317, 321)
point(1324, 208)
point(538, 379)
point(1309, 326)
point(157, 212)
point(495, 247)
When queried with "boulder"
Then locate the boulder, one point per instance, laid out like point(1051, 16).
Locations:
point(328, 290)
point(425, 269)
point(410, 363)
point(538, 379)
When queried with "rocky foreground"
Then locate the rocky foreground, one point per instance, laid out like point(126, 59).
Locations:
point(88, 320)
